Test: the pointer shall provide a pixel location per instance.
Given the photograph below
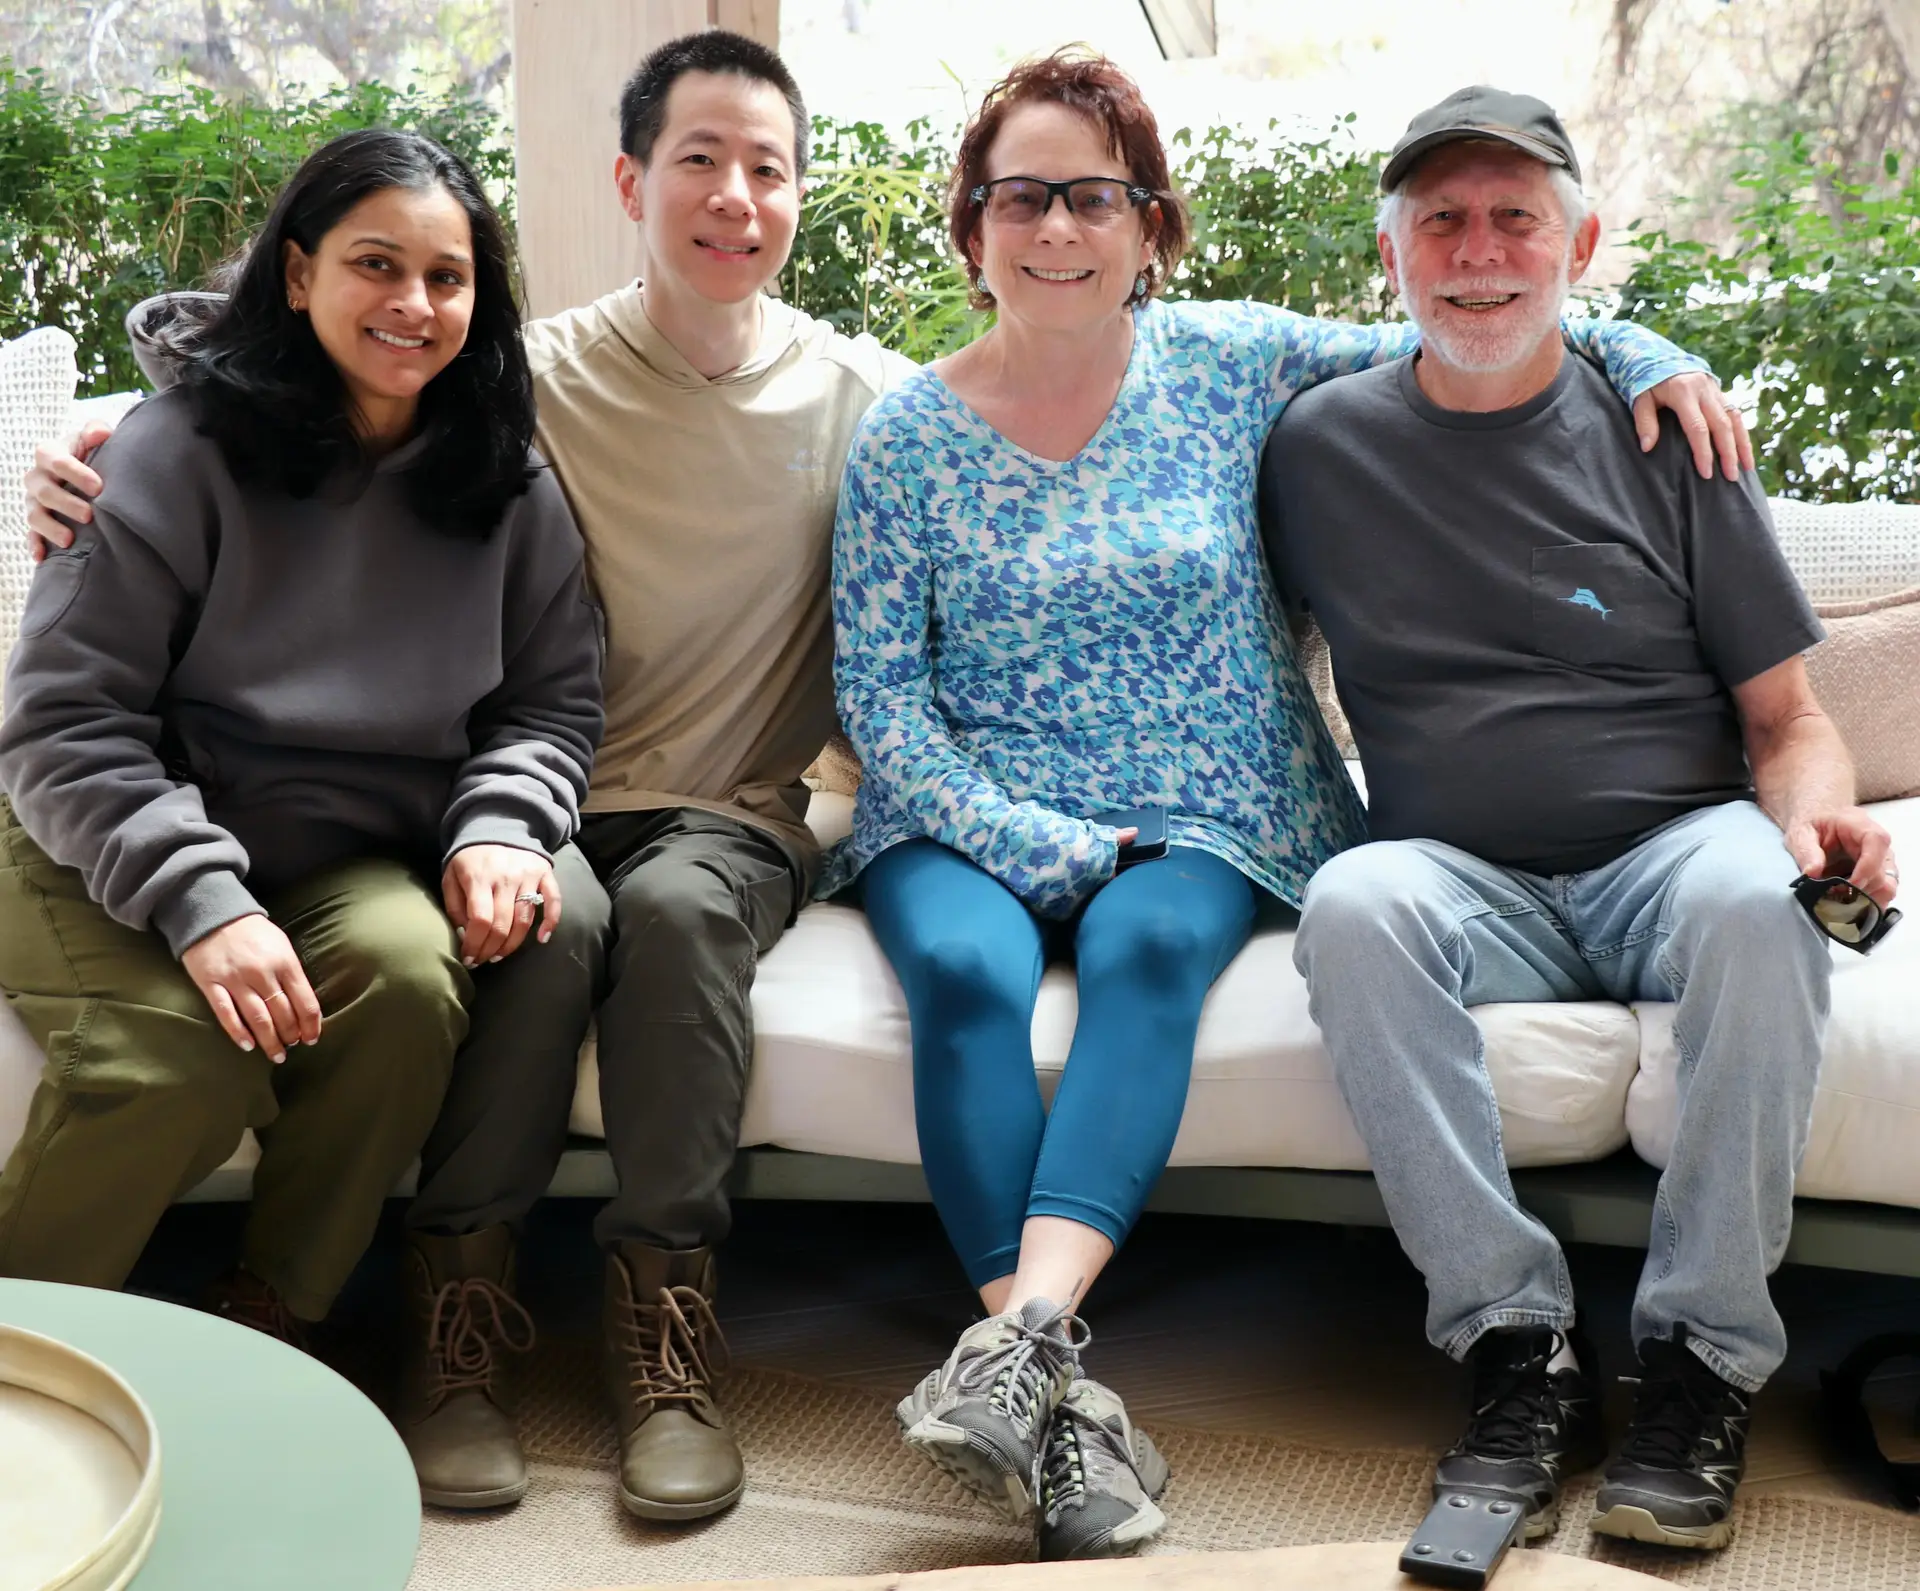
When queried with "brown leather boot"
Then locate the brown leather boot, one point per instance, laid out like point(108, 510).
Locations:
point(243, 1298)
point(454, 1411)
point(663, 1357)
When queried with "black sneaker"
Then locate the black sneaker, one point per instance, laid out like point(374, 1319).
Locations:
point(1684, 1454)
point(1530, 1428)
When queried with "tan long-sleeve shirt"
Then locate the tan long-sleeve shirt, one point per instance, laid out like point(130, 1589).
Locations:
point(707, 508)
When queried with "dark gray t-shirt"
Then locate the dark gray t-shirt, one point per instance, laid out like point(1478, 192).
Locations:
point(1534, 626)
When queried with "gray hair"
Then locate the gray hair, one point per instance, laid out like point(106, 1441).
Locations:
point(1574, 207)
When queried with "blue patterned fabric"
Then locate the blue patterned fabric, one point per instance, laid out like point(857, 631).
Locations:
point(1022, 644)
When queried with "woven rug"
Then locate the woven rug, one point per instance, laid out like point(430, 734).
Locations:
point(831, 1490)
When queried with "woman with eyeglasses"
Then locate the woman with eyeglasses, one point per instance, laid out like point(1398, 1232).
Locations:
point(1054, 629)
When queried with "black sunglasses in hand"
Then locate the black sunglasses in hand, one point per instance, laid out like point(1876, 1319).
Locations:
point(1844, 913)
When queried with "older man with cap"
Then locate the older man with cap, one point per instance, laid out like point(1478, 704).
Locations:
point(1573, 670)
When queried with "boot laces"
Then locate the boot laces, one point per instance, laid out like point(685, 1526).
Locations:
point(1063, 1477)
point(471, 1316)
point(1512, 1401)
point(676, 1352)
point(1675, 1404)
point(260, 1308)
point(1014, 1376)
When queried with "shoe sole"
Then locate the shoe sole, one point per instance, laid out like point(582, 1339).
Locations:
point(976, 1468)
point(647, 1508)
point(1125, 1540)
point(499, 1497)
point(1628, 1523)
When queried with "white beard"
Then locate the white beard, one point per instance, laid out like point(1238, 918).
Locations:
point(1483, 344)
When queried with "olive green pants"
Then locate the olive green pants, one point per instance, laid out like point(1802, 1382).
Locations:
point(143, 1093)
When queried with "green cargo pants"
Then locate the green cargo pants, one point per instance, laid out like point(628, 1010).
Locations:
point(143, 1093)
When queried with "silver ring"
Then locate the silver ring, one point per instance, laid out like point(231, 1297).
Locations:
point(279, 994)
point(532, 897)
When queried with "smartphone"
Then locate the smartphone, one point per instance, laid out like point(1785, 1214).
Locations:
point(1150, 844)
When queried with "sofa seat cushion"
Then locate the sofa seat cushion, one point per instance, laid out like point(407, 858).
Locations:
point(1866, 1112)
point(833, 1069)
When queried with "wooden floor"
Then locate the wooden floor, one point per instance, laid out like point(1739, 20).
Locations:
point(1303, 1332)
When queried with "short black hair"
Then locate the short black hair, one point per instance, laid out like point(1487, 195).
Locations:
point(265, 390)
point(643, 102)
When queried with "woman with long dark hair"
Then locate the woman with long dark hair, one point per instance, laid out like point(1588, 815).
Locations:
point(293, 730)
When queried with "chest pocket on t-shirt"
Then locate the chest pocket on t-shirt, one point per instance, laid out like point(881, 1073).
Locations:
point(1604, 606)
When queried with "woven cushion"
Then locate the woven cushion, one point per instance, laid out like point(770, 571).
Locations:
point(1867, 676)
point(1849, 552)
point(1316, 662)
point(836, 771)
point(37, 378)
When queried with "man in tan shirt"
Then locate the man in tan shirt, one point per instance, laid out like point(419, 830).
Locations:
point(699, 429)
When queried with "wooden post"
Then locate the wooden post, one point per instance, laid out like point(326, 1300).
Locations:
point(570, 58)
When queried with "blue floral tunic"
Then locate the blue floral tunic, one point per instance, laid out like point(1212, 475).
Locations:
point(1022, 643)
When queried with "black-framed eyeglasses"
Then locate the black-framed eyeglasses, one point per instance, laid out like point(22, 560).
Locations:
point(1092, 201)
point(1846, 915)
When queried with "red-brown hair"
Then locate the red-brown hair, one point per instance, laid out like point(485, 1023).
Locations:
point(1090, 86)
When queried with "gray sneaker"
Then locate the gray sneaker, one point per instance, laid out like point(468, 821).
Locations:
point(982, 1416)
point(1098, 1479)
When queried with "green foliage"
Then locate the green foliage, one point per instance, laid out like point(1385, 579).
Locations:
point(872, 253)
point(1816, 304)
point(98, 208)
point(1285, 220)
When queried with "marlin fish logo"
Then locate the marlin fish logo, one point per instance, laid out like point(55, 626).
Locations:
point(1584, 598)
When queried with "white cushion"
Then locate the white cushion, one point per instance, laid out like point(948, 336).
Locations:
point(37, 378)
point(1865, 1138)
point(833, 1068)
point(1849, 552)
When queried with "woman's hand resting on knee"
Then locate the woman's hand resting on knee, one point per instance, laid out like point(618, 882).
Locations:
point(253, 979)
point(492, 893)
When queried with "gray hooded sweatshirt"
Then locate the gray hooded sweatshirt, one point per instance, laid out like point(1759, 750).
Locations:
point(220, 689)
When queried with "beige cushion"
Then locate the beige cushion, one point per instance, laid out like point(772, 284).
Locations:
point(836, 771)
point(1316, 662)
point(1867, 676)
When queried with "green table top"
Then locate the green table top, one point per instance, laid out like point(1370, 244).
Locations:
point(274, 1472)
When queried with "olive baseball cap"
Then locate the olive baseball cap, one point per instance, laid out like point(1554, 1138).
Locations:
point(1528, 124)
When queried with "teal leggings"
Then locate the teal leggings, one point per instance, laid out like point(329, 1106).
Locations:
point(969, 956)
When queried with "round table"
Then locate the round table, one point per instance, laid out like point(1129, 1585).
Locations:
point(273, 1470)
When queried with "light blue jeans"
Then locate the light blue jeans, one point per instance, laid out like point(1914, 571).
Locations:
point(1399, 937)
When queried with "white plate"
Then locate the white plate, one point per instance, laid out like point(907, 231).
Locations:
point(79, 1470)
